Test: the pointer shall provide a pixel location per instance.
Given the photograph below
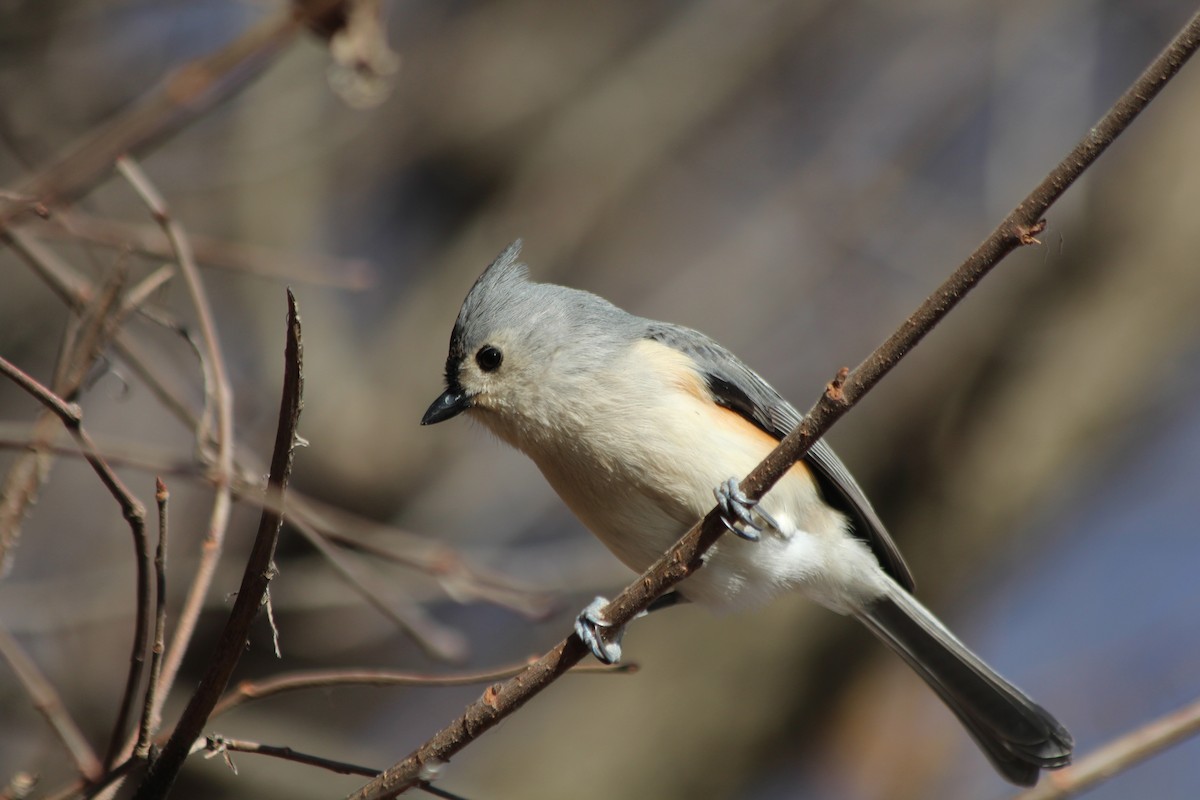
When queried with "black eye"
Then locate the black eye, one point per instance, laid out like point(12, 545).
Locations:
point(488, 358)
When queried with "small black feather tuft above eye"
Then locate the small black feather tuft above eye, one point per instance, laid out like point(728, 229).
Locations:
point(489, 358)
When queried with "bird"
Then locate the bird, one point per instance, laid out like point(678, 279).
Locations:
point(641, 426)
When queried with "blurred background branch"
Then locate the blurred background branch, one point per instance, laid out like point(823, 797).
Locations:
point(48, 703)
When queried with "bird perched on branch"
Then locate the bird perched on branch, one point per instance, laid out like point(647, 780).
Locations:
point(638, 425)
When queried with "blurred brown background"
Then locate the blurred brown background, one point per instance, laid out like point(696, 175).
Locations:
point(790, 177)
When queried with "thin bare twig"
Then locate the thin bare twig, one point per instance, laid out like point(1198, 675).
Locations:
point(218, 402)
point(71, 287)
point(255, 580)
point(136, 297)
point(133, 512)
point(216, 744)
point(248, 691)
point(1119, 755)
point(133, 354)
point(1019, 228)
point(436, 791)
point(150, 721)
point(81, 788)
point(46, 700)
point(70, 414)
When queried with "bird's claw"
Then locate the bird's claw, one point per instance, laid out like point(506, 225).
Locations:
point(738, 512)
point(602, 638)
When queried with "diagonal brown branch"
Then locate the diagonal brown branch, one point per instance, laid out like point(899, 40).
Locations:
point(1018, 228)
point(260, 568)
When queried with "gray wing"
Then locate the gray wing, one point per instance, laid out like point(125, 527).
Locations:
point(739, 388)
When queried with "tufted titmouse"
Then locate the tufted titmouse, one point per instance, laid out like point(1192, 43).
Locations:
point(634, 422)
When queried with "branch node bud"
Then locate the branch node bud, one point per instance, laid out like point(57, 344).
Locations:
point(833, 390)
point(1027, 234)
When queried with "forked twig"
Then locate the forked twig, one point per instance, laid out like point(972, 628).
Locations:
point(218, 403)
point(259, 570)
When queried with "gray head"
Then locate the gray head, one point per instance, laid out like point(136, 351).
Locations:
point(516, 343)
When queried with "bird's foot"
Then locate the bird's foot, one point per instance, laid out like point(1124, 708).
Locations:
point(601, 636)
point(739, 512)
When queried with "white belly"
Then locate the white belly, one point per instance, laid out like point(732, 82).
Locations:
point(640, 476)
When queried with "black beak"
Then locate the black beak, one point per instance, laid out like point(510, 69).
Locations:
point(450, 403)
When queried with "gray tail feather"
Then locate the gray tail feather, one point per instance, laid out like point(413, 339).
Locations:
point(1018, 736)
